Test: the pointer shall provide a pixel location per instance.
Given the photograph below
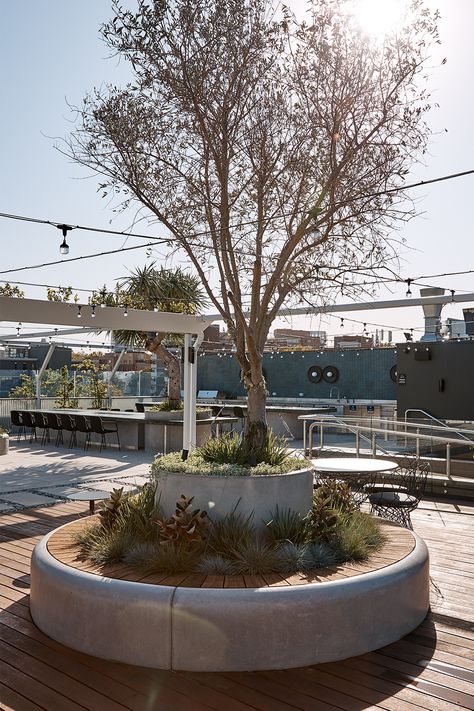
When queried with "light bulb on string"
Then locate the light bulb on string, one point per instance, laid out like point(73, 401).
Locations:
point(452, 295)
point(79, 312)
point(93, 312)
point(408, 292)
point(342, 323)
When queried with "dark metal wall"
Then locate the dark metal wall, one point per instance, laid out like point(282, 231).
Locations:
point(363, 374)
point(436, 377)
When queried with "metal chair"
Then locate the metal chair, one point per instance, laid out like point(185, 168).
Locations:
point(29, 423)
point(54, 423)
point(397, 503)
point(69, 425)
point(98, 427)
point(17, 421)
point(83, 425)
point(41, 423)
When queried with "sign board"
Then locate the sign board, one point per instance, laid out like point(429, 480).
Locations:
point(402, 378)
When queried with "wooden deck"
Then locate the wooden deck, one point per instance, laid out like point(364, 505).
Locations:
point(432, 668)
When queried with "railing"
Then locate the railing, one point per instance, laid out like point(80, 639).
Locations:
point(435, 419)
point(331, 422)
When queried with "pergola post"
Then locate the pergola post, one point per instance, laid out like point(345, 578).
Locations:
point(39, 376)
point(193, 389)
point(187, 422)
point(112, 373)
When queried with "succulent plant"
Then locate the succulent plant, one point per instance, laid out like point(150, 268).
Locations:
point(110, 508)
point(185, 527)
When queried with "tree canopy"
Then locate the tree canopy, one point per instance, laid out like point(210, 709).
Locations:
point(272, 149)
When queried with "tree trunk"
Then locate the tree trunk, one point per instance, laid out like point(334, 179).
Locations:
point(256, 429)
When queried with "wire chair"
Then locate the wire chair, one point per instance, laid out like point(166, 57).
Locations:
point(398, 501)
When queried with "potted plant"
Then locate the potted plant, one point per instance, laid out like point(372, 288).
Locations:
point(4, 441)
point(223, 477)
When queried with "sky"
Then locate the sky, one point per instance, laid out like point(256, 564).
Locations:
point(51, 54)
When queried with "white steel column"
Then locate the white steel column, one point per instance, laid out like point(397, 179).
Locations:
point(112, 373)
point(187, 397)
point(39, 376)
point(193, 389)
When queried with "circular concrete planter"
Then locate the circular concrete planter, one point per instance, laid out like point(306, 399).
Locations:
point(224, 629)
point(260, 495)
point(4, 443)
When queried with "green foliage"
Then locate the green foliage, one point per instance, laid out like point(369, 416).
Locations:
point(13, 292)
point(26, 388)
point(132, 530)
point(92, 383)
point(65, 390)
point(256, 558)
point(230, 448)
point(357, 536)
point(3, 431)
point(61, 294)
point(167, 406)
point(196, 464)
point(287, 525)
point(233, 532)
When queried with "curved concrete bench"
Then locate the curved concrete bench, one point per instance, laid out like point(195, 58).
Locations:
point(209, 629)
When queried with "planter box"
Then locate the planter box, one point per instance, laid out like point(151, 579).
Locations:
point(4, 444)
point(261, 495)
point(163, 415)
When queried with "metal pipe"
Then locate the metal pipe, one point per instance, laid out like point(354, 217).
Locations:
point(112, 373)
point(39, 376)
point(448, 459)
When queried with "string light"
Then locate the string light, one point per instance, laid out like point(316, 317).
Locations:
point(408, 281)
point(79, 312)
point(342, 323)
point(93, 311)
point(64, 247)
point(125, 313)
point(452, 295)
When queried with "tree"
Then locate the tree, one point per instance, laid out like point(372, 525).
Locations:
point(267, 147)
point(26, 388)
point(12, 291)
point(62, 294)
point(162, 290)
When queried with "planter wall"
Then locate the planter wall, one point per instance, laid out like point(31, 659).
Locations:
point(219, 495)
point(4, 444)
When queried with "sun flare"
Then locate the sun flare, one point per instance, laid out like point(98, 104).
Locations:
point(378, 17)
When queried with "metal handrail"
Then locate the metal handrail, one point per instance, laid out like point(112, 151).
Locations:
point(435, 419)
point(341, 422)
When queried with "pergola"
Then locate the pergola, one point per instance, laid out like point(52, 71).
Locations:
point(108, 318)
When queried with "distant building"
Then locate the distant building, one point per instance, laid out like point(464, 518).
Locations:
point(345, 342)
point(290, 338)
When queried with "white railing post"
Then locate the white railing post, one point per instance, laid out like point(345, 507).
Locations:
point(448, 459)
point(418, 442)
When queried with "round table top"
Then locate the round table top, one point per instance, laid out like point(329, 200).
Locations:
point(353, 464)
point(88, 495)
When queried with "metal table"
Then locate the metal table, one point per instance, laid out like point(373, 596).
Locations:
point(356, 471)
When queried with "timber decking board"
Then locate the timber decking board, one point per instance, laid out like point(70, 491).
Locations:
point(431, 669)
point(61, 546)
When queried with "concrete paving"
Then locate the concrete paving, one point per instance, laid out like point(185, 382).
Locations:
point(37, 475)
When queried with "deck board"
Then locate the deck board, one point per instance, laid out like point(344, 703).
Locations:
point(431, 669)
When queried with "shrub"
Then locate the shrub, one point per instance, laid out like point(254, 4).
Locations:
point(233, 532)
point(196, 464)
point(231, 448)
point(287, 525)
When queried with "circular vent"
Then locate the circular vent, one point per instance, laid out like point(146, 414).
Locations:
point(315, 374)
point(393, 373)
point(330, 374)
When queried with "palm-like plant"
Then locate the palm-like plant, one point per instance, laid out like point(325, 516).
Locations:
point(163, 290)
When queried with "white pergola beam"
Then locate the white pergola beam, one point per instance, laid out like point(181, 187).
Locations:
point(106, 318)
